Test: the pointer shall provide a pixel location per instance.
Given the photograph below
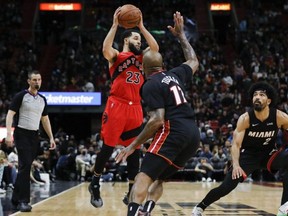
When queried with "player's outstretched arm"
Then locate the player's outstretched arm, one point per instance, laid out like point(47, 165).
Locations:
point(152, 43)
point(178, 31)
point(108, 51)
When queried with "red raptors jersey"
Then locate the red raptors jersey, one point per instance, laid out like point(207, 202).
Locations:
point(129, 80)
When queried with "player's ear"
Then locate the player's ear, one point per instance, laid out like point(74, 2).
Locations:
point(268, 101)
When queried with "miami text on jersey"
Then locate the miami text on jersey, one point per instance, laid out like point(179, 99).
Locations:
point(262, 134)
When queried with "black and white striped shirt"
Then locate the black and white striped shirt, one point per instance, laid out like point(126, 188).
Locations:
point(29, 110)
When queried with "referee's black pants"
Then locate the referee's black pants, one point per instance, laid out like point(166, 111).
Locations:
point(27, 145)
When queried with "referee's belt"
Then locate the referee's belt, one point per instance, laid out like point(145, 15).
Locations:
point(26, 130)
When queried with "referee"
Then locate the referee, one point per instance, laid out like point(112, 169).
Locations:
point(29, 108)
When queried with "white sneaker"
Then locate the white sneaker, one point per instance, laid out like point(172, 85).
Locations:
point(2, 191)
point(209, 179)
point(197, 211)
point(203, 179)
point(283, 210)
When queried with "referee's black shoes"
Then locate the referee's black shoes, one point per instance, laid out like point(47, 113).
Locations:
point(24, 207)
point(21, 206)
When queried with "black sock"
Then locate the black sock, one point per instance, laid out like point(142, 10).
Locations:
point(130, 187)
point(95, 179)
point(149, 206)
point(132, 208)
point(202, 205)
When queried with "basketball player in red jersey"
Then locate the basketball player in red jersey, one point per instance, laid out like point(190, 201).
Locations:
point(123, 117)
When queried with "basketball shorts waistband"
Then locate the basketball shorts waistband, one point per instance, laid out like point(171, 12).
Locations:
point(121, 100)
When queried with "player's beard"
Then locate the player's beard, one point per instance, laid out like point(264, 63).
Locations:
point(134, 49)
point(258, 106)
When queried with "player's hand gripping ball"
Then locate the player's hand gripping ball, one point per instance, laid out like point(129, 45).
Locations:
point(129, 16)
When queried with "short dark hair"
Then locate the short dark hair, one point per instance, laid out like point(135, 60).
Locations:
point(269, 89)
point(128, 33)
point(32, 72)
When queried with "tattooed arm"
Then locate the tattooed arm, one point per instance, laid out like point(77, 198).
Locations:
point(178, 31)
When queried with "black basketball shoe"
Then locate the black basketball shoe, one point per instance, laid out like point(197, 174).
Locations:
point(95, 200)
point(126, 199)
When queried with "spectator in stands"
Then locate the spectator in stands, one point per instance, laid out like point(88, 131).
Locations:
point(238, 72)
point(219, 156)
point(46, 160)
point(88, 86)
point(204, 170)
point(13, 163)
point(5, 172)
point(196, 102)
point(66, 166)
point(73, 85)
point(206, 153)
point(83, 163)
point(210, 139)
point(230, 130)
point(36, 169)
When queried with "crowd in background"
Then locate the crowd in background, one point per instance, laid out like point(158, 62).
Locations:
point(217, 92)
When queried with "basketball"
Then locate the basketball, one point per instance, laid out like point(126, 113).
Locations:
point(129, 16)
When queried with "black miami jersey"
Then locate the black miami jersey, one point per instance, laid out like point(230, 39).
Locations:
point(261, 136)
point(166, 89)
point(178, 138)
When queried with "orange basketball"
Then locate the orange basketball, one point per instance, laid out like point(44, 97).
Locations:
point(129, 16)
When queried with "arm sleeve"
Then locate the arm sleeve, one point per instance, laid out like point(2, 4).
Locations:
point(16, 102)
point(45, 110)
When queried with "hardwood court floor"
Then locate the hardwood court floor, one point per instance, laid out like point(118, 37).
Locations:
point(178, 200)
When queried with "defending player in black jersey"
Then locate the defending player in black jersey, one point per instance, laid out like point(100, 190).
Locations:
point(171, 123)
point(253, 146)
